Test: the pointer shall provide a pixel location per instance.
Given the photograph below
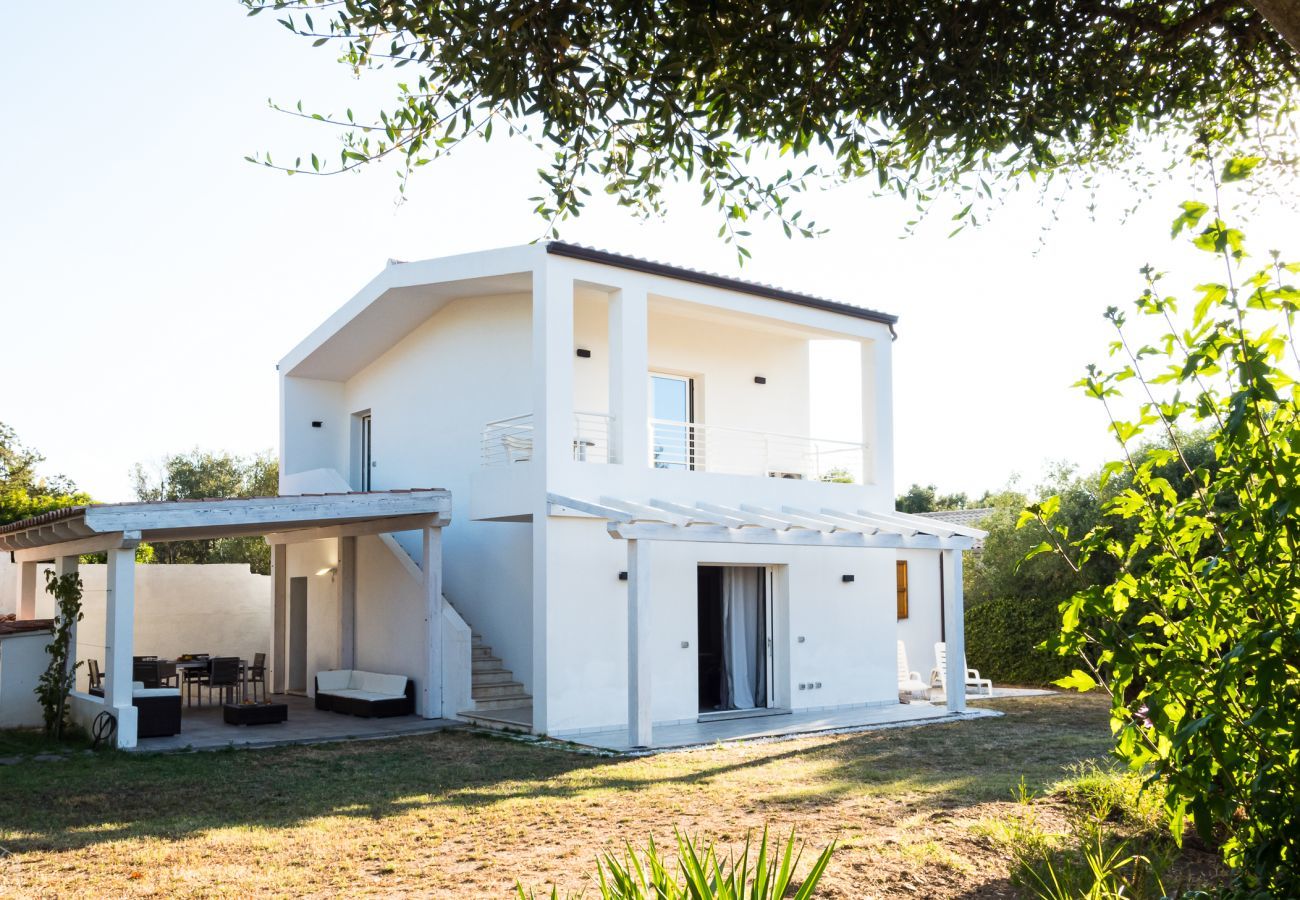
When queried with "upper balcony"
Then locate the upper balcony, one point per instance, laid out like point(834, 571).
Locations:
point(687, 447)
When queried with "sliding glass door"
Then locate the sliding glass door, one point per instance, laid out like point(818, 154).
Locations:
point(672, 413)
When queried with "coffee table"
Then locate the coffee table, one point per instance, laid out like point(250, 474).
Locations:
point(254, 713)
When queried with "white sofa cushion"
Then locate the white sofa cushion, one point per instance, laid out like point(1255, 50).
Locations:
point(155, 692)
point(354, 683)
point(333, 681)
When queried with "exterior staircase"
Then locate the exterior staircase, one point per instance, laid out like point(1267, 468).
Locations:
point(500, 702)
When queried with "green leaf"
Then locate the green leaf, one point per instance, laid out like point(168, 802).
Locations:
point(1240, 167)
point(1078, 680)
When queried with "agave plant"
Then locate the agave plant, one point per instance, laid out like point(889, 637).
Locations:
point(703, 874)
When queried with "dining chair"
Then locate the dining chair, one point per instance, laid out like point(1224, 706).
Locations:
point(223, 672)
point(167, 675)
point(145, 671)
point(96, 677)
point(257, 674)
point(194, 677)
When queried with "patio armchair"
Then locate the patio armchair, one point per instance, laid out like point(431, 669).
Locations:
point(939, 674)
point(909, 682)
point(145, 671)
point(158, 710)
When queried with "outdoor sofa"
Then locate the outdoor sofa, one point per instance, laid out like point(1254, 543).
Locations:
point(368, 694)
point(158, 710)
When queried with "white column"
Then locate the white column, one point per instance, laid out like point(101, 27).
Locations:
point(27, 590)
point(431, 564)
point(639, 655)
point(279, 614)
point(346, 585)
point(629, 368)
point(954, 614)
point(553, 429)
point(67, 565)
point(119, 642)
point(878, 415)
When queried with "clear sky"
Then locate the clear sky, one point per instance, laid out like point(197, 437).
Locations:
point(150, 278)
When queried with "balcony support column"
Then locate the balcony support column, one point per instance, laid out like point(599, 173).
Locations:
point(628, 371)
point(878, 415)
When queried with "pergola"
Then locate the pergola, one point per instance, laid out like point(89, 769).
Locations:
point(638, 523)
point(116, 529)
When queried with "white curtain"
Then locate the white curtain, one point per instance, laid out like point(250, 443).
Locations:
point(744, 638)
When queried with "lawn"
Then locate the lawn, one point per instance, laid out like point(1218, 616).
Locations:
point(463, 814)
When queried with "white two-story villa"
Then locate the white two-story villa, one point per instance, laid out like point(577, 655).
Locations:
point(646, 529)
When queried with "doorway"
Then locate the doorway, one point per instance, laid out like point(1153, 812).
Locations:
point(672, 413)
point(297, 682)
point(735, 641)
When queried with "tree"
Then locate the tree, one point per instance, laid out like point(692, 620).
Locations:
point(918, 499)
point(931, 98)
point(1196, 638)
point(200, 475)
point(22, 492)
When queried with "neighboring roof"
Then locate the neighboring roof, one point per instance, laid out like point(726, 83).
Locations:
point(10, 626)
point(969, 517)
point(223, 517)
point(654, 267)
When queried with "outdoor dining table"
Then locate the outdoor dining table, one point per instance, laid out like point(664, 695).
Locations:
point(182, 664)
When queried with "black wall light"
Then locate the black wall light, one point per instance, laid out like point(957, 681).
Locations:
point(584, 353)
point(622, 576)
point(316, 423)
point(846, 578)
point(759, 379)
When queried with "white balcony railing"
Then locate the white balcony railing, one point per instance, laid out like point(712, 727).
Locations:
point(509, 441)
point(688, 446)
point(739, 451)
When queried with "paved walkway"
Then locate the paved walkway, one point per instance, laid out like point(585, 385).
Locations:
point(202, 728)
point(863, 718)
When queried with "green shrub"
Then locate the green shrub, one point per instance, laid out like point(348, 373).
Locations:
point(1002, 638)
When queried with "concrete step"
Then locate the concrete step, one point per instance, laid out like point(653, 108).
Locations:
point(507, 702)
point(498, 689)
point(485, 663)
point(492, 676)
point(482, 652)
point(517, 718)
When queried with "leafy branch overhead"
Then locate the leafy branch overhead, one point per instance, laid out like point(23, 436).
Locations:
point(925, 98)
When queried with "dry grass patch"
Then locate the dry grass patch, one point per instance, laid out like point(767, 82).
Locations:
point(459, 814)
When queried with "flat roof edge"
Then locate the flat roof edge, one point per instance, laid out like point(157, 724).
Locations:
point(709, 279)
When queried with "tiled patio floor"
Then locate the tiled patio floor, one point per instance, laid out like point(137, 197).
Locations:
point(668, 737)
point(202, 728)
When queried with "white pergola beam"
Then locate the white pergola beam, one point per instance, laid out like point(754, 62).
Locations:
point(640, 511)
point(79, 547)
point(592, 509)
point(790, 519)
point(355, 529)
point(694, 515)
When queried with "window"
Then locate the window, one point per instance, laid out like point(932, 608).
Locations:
point(902, 589)
point(672, 411)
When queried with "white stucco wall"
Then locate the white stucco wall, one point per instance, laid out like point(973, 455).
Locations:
point(922, 628)
point(8, 585)
point(22, 660)
point(306, 560)
point(220, 609)
point(848, 629)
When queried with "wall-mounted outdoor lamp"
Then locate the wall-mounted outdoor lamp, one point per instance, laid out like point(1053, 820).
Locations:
point(846, 578)
point(622, 576)
point(316, 423)
point(584, 353)
point(328, 570)
point(759, 379)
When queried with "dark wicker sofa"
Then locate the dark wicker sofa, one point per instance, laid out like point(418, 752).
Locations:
point(367, 694)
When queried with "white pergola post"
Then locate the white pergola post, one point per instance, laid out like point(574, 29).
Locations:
point(27, 590)
point(553, 430)
point(431, 563)
point(639, 655)
point(877, 414)
point(346, 585)
point(954, 614)
point(279, 614)
point(67, 565)
point(119, 642)
point(629, 369)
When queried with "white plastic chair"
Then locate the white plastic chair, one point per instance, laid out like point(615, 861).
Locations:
point(519, 447)
point(939, 674)
point(909, 682)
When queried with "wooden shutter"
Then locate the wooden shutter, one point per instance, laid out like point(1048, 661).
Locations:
point(902, 589)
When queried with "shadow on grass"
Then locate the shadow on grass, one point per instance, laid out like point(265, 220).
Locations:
point(87, 800)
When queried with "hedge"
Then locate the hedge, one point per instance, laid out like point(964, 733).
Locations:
point(1002, 637)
